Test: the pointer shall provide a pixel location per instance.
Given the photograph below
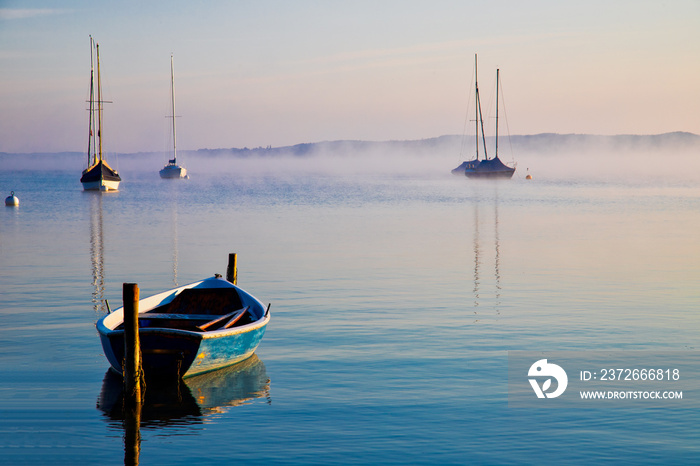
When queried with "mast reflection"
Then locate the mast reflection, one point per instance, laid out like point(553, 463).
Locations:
point(175, 247)
point(481, 295)
point(477, 254)
point(97, 251)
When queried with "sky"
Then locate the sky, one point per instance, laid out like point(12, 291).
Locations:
point(277, 73)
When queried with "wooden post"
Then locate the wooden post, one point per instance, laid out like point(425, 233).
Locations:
point(132, 345)
point(232, 270)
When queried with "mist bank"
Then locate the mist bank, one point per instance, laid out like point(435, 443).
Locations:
point(544, 143)
point(577, 156)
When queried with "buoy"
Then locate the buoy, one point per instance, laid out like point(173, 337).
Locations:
point(529, 176)
point(11, 200)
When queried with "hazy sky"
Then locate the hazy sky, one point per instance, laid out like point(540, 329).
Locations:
point(262, 72)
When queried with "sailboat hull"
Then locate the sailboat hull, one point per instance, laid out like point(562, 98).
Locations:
point(100, 177)
point(492, 168)
point(102, 185)
point(464, 166)
point(173, 171)
point(490, 175)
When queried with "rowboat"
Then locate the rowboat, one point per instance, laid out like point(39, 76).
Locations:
point(189, 330)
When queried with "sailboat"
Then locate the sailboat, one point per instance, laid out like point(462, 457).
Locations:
point(172, 169)
point(484, 168)
point(99, 175)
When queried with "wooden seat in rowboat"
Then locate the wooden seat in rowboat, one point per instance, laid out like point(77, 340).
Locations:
point(230, 320)
point(223, 322)
point(203, 301)
point(161, 316)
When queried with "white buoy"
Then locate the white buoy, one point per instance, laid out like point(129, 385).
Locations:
point(11, 200)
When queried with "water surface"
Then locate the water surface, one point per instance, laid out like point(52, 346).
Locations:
point(396, 296)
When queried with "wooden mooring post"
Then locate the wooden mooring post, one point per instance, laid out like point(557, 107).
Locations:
point(133, 374)
point(232, 270)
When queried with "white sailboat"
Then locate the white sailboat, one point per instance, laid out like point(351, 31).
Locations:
point(99, 175)
point(172, 169)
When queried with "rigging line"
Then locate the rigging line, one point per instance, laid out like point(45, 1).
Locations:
point(505, 114)
point(490, 108)
point(481, 120)
point(168, 138)
point(463, 146)
point(102, 83)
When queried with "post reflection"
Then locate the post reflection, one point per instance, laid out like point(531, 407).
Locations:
point(186, 404)
point(132, 433)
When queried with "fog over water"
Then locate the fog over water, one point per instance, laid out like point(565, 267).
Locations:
point(625, 158)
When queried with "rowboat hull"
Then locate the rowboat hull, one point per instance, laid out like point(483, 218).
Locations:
point(168, 352)
point(176, 352)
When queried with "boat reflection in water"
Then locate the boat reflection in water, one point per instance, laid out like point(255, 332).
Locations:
point(487, 288)
point(190, 401)
point(97, 252)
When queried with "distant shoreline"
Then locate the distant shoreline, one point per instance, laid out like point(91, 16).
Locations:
point(543, 142)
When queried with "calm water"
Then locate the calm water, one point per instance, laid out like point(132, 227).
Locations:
point(396, 297)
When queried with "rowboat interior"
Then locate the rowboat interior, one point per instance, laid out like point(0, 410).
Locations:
point(199, 310)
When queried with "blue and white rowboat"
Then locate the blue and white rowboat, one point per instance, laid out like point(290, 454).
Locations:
point(189, 330)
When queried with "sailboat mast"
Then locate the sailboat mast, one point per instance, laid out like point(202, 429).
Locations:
point(172, 95)
point(476, 106)
point(99, 101)
point(91, 117)
point(497, 85)
point(483, 134)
